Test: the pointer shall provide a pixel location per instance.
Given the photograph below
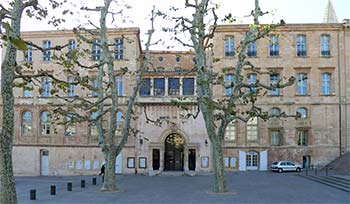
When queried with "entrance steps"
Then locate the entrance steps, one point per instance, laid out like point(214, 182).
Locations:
point(340, 183)
point(177, 173)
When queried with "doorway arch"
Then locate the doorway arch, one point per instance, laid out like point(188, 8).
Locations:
point(174, 152)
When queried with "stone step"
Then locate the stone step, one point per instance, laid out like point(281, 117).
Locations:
point(331, 184)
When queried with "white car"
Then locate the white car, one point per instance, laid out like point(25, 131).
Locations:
point(282, 166)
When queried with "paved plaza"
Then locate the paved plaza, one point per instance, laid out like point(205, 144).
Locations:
point(245, 187)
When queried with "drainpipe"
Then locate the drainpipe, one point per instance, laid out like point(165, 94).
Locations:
point(340, 96)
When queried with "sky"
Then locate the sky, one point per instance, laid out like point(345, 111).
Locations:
point(291, 11)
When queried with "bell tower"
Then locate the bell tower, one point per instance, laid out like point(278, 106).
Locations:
point(329, 14)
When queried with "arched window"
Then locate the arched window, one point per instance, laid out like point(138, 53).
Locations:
point(93, 127)
point(302, 112)
point(252, 130)
point(229, 79)
point(119, 128)
point(251, 81)
point(70, 126)
point(274, 112)
point(230, 134)
point(26, 123)
point(45, 123)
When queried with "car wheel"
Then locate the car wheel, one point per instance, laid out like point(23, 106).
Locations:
point(280, 170)
point(298, 170)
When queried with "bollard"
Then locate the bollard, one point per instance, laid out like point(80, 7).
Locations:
point(94, 181)
point(52, 190)
point(32, 194)
point(69, 186)
point(82, 183)
point(315, 171)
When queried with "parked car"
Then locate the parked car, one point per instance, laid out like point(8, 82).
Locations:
point(282, 166)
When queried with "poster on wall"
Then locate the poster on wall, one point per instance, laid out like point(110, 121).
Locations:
point(131, 162)
point(79, 165)
point(205, 162)
point(87, 164)
point(142, 162)
point(96, 165)
point(71, 164)
point(226, 162)
point(233, 161)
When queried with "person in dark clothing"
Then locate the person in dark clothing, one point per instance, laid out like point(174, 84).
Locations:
point(102, 172)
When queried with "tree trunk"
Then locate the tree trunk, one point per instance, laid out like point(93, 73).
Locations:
point(110, 178)
point(218, 164)
point(7, 181)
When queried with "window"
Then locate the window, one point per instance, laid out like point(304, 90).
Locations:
point(46, 87)
point(252, 81)
point(28, 55)
point(145, 89)
point(173, 86)
point(177, 59)
point(26, 123)
point(94, 85)
point(188, 86)
point(252, 129)
point(70, 127)
point(274, 46)
point(301, 84)
point(119, 124)
point(160, 59)
point(274, 79)
point(251, 50)
point(96, 50)
point(302, 137)
point(229, 47)
point(71, 45)
point(229, 79)
point(118, 49)
point(45, 123)
point(119, 85)
point(301, 46)
point(27, 90)
point(302, 112)
point(159, 87)
point(325, 46)
point(274, 112)
point(71, 87)
point(230, 134)
point(46, 53)
point(275, 137)
point(93, 127)
point(326, 83)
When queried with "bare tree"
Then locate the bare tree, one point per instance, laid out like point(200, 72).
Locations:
point(12, 39)
point(108, 102)
point(218, 113)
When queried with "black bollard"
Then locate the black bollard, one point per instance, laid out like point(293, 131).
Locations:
point(69, 186)
point(94, 181)
point(32, 194)
point(52, 190)
point(315, 171)
point(82, 183)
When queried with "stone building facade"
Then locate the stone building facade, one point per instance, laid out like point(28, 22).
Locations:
point(318, 53)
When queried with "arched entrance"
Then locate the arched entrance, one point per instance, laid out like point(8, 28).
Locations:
point(174, 152)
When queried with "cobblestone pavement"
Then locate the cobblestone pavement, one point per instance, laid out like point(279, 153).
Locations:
point(244, 187)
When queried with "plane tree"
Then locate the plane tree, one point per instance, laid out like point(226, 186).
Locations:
point(240, 104)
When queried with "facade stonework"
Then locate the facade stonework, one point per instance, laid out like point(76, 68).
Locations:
point(178, 143)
